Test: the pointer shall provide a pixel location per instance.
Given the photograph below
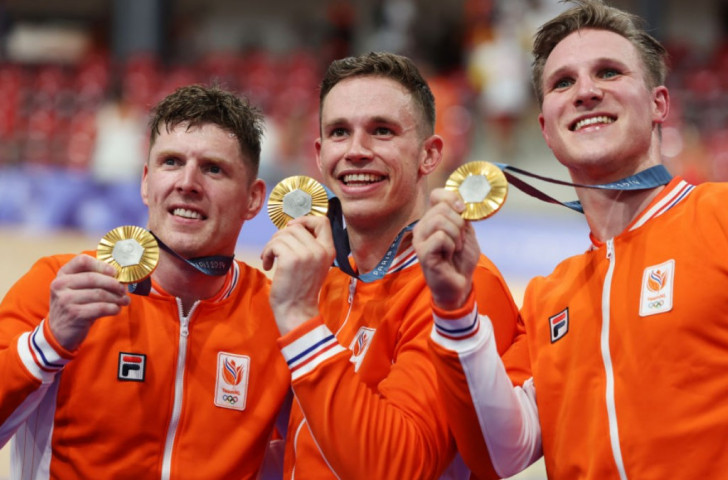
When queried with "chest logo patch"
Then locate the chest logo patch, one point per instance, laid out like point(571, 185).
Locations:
point(559, 325)
point(359, 345)
point(132, 367)
point(657, 287)
point(231, 385)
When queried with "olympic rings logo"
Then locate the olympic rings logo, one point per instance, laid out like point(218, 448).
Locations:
point(656, 304)
point(231, 399)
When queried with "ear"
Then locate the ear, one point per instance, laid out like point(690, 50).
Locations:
point(317, 147)
point(432, 155)
point(542, 124)
point(661, 104)
point(145, 194)
point(256, 198)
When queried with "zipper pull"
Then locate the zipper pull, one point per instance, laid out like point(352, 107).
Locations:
point(610, 248)
point(352, 289)
point(184, 327)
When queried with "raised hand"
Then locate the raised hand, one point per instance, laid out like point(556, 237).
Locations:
point(303, 252)
point(84, 290)
point(447, 249)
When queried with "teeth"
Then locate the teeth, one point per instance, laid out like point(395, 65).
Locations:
point(592, 121)
point(361, 178)
point(183, 212)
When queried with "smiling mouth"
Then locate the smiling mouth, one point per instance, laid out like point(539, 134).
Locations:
point(186, 213)
point(603, 119)
point(360, 179)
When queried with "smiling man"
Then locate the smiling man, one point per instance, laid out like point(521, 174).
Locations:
point(183, 382)
point(366, 396)
point(627, 341)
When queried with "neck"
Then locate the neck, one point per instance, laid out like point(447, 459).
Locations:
point(609, 212)
point(369, 246)
point(371, 237)
point(184, 281)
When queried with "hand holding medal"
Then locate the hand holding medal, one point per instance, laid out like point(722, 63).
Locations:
point(482, 186)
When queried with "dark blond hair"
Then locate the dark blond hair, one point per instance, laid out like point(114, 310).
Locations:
point(387, 65)
point(597, 15)
point(199, 105)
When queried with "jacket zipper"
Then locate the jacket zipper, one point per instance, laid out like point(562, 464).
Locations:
point(184, 332)
point(350, 300)
point(608, 367)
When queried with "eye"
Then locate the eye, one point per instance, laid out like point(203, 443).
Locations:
point(171, 161)
point(214, 169)
point(383, 131)
point(563, 83)
point(337, 132)
point(609, 73)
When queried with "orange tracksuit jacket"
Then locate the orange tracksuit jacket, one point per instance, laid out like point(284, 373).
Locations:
point(366, 402)
point(629, 351)
point(149, 393)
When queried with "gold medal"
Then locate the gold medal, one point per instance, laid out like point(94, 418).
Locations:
point(133, 251)
point(482, 186)
point(295, 197)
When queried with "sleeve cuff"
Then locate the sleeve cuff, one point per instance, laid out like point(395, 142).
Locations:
point(51, 339)
point(458, 313)
point(457, 324)
point(41, 354)
point(307, 346)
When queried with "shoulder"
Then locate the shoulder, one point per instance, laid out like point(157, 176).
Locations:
point(252, 276)
point(710, 194)
point(487, 276)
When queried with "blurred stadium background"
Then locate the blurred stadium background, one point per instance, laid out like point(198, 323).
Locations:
point(77, 78)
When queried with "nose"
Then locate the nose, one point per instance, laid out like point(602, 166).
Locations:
point(359, 147)
point(189, 179)
point(588, 92)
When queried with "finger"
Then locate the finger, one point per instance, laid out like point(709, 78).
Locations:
point(435, 248)
point(86, 263)
point(267, 257)
point(295, 249)
point(440, 218)
point(450, 198)
point(92, 295)
point(446, 208)
point(80, 316)
point(88, 281)
point(276, 247)
point(318, 226)
point(430, 232)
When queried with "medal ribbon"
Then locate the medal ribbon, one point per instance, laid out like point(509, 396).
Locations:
point(343, 249)
point(650, 178)
point(214, 266)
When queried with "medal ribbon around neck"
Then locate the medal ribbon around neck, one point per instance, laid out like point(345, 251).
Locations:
point(300, 195)
point(483, 186)
point(652, 177)
point(139, 256)
point(212, 266)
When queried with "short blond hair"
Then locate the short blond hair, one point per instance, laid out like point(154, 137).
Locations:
point(597, 15)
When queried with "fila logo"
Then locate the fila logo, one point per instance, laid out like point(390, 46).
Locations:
point(132, 367)
point(559, 324)
point(231, 386)
point(359, 345)
point(657, 283)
